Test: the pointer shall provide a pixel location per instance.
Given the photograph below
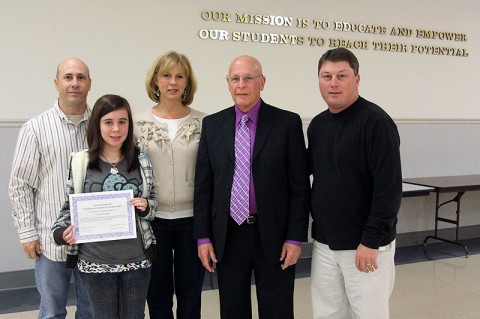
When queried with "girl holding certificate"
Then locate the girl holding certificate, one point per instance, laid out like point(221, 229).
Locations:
point(116, 273)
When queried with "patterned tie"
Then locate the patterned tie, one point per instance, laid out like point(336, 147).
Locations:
point(239, 202)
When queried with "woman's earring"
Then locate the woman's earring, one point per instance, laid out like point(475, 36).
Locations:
point(184, 95)
point(157, 93)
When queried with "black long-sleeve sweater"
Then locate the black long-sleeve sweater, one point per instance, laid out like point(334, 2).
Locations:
point(357, 180)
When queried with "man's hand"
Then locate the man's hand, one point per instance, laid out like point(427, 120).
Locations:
point(366, 259)
point(32, 249)
point(290, 255)
point(206, 253)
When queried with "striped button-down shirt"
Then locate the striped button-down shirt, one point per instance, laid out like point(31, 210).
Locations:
point(37, 187)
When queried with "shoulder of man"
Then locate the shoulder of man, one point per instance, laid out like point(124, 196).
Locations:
point(37, 123)
point(373, 108)
point(42, 115)
point(220, 114)
point(274, 111)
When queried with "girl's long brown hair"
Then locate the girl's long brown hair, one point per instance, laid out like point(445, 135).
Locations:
point(104, 105)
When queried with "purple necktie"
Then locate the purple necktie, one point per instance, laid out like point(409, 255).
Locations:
point(239, 201)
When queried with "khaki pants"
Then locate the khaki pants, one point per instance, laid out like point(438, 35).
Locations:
point(341, 291)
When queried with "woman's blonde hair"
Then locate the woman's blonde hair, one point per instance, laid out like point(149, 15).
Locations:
point(164, 64)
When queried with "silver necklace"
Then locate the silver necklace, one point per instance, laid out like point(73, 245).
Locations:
point(114, 168)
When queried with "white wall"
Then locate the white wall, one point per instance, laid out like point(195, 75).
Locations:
point(119, 39)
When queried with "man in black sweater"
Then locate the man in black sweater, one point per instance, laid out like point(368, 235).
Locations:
point(354, 152)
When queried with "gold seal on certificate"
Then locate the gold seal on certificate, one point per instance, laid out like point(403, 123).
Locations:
point(103, 216)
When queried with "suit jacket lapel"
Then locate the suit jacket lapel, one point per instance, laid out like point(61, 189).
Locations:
point(229, 133)
point(264, 126)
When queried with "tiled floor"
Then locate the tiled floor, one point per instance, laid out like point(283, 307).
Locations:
point(436, 283)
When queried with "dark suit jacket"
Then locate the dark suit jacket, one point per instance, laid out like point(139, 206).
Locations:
point(279, 168)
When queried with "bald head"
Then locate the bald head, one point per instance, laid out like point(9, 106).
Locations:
point(73, 84)
point(246, 60)
point(73, 61)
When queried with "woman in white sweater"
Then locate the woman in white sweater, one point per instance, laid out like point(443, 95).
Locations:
point(169, 133)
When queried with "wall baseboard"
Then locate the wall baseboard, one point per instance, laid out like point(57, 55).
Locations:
point(17, 279)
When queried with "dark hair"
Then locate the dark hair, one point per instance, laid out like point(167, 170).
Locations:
point(340, 54)
point(104, 105)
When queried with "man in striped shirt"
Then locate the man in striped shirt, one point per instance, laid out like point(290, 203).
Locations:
point(38, 182)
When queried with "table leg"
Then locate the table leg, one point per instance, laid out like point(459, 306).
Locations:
point(456, 222)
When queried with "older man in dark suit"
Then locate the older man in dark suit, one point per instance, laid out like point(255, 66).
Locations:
point(251, 197)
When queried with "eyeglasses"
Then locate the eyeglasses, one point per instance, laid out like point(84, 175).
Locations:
point(246, 79)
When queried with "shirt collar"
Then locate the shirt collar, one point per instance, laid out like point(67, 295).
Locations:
point(86, 114)
point(252, 113)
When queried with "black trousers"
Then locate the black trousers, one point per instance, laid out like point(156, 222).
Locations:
point(176, 271)
point(243, 256)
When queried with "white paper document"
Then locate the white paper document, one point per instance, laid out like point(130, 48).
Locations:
point(103, 216)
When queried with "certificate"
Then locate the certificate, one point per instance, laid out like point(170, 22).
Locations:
point(103, 216)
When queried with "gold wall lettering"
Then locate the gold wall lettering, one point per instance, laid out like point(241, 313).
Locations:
point(429, 41)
